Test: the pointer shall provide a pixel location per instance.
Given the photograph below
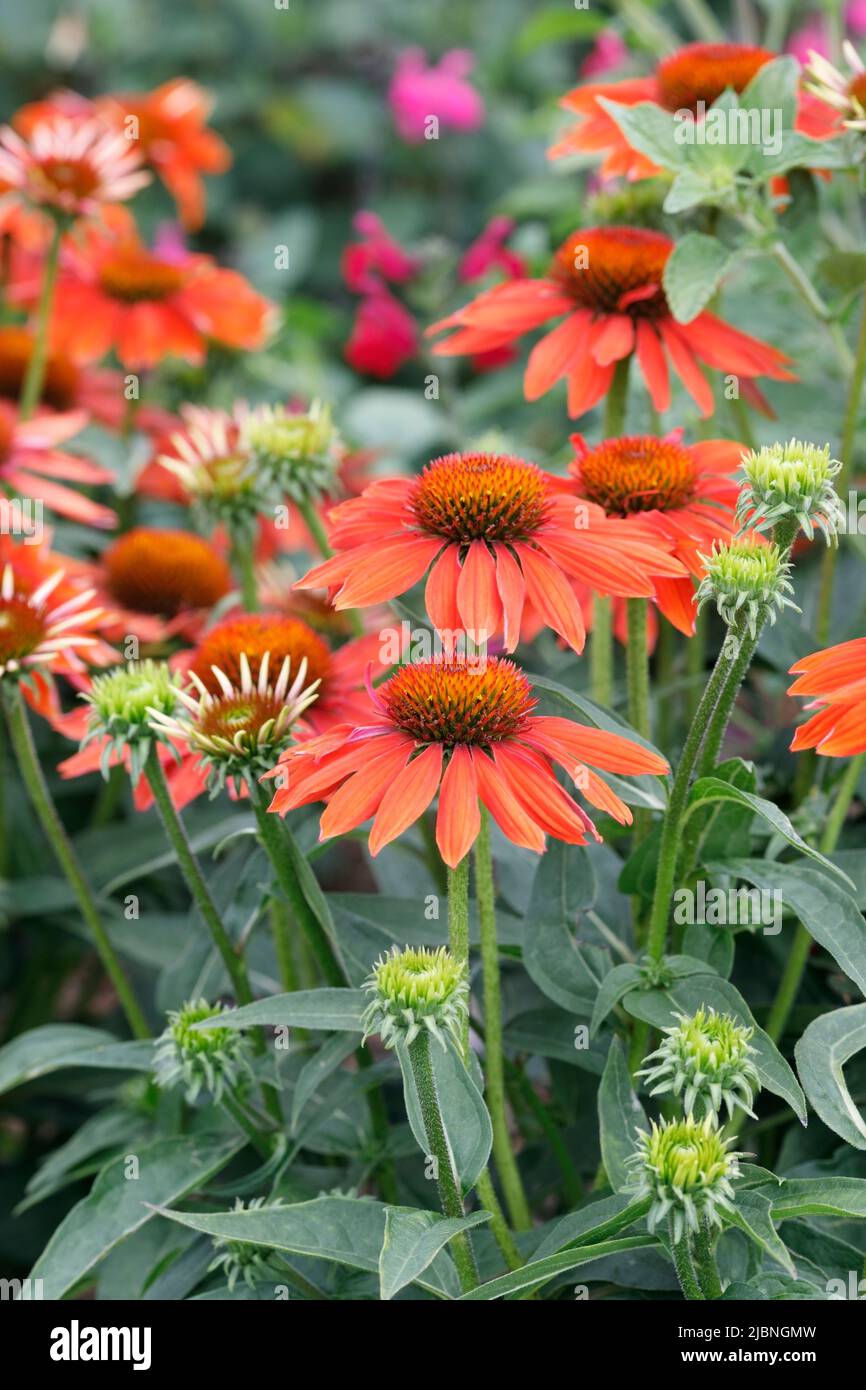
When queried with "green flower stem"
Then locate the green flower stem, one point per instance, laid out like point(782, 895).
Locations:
point(21, 739)
point(506, 1164)
point(670, 838)
point(795, 966)
point(696, 659)
point(245, 1124)
point(275, 836)
point(637, 666)
point(685, 1269)
point(601, 651)
point(189, 867)
point(704, 1263)
point(458, 926)
point(281, 930)
point(616, 401)
point(522, 1087)
point(31, 387)
point(707, 732)
point(498, 1225)
point(244, 565)
point(317, 531)
point(846, 451)
point(601, 639)
point(437, 1141)
point(804, 287)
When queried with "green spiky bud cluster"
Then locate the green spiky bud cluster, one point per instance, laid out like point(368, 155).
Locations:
point(299, 453)
point(240, 1259)
point(120, 702)
point(415, 989)
point(708, 1060)
point(687, 1170)
point(746, 579)
point(200, 1059)
point(793, 480)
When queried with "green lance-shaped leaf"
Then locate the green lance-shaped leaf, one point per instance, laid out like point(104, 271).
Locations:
point(827, 1044)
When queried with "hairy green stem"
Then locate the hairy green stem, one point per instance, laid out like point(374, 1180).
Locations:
point(437, 1142)
point(275, 835)
point(637, 666)
point(244, 1123)
point(195, 881)
point(795, 966)
point(31, 387)
point(494, 1066)
point(601, 651)
point(498, 1225)
point(704, 1263)
point(684, 1267)
point(21, 739)
point(244, 565)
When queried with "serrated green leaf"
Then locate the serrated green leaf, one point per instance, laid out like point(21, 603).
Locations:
point(753, 1214)
point(326, 1008)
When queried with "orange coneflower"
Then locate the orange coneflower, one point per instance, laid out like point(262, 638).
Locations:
point(171, 128)
point(160, 583)
point(67, 385)
point(168, 125)
point(836, 678)
point(342, 694)
point(469, 733)
point(44, 623)
point(115, 293)
point(30, 463)
point(71, 166)
point(690, 79)
point(607, 281)
point(685, 494)
point(497, 537)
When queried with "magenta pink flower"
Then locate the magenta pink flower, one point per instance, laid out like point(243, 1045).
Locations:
point(384, 335)
point(489, 252)
point(855, 17)
point(376, 257)
point(419, 91)
point(813, 36)
point(608, 52)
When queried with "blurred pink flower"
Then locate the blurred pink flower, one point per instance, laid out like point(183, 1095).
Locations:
point(418, 91)
point(855, 17)
point(813, 36)
point(376, 257)
point(609, 51)
point(489, 251)
point(384, 335)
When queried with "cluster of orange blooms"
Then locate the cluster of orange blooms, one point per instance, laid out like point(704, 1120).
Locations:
point(504, 547)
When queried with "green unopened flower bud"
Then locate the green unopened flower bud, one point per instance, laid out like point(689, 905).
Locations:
point(299, 453)
point(708, 1059)
point(211, 1059)
point(795, 481)
point(415, 989)
point(240, 1259)
point(120, 703)
point(685, 1167)
point(746, 579)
